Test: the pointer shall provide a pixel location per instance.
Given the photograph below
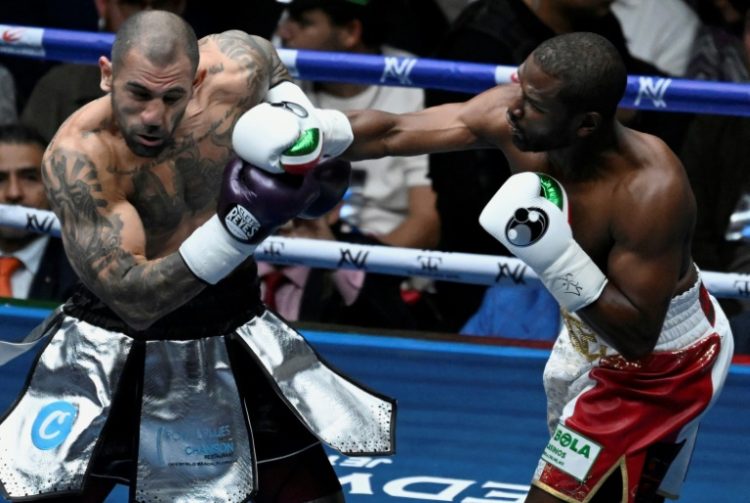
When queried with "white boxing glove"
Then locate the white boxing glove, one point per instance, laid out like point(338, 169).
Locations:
point(288, 134)
point(529, 215)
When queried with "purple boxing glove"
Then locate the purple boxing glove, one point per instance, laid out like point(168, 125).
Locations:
point(333, 177)
point(252, 204)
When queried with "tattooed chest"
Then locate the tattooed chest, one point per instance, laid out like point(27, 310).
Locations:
point(171, 194)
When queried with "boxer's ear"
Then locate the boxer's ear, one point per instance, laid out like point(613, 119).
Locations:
point(105, 67)
point(589, 122)
point(198, 80)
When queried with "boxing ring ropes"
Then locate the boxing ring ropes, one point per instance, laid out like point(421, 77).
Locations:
point(363, 480)
point(643, 92)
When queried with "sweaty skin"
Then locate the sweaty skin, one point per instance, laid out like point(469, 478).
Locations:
point(632, 208)
point(123, 215)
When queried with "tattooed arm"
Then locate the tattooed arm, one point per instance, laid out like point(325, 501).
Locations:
point(105, 240)
point(256, 56)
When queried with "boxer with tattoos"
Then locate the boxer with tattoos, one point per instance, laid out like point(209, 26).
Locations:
point(165, 371)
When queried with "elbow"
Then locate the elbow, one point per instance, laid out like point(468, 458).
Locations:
point(633, 354)
point(638, 346)
point(136, 313)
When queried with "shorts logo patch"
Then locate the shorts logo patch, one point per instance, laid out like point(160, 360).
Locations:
point(571, 452)
point(53, 424)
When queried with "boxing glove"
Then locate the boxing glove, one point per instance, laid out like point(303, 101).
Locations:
point(288, 134)
point(252, 204)
point(529, 215)
point(333, 177)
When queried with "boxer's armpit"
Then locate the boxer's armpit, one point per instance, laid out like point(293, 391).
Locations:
point(105, 242)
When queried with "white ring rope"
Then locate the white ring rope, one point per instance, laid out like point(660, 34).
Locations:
point(456, 267)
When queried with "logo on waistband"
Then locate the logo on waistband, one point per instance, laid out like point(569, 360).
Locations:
point(53, 424)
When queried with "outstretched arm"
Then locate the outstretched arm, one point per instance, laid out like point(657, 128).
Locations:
point(477, 123)
point(105, 241)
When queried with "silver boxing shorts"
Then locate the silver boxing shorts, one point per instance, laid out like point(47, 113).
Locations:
point(192, 417)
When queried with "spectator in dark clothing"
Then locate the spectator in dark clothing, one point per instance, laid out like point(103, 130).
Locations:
point(715, 157)
point(32, 266)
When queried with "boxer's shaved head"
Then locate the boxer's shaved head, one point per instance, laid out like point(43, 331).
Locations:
point(160, 36)
point(592, 71)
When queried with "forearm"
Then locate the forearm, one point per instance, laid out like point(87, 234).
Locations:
point(442, 128)
point(416, 231)
point(371, 128)
point(140, 293)
point(631, 331)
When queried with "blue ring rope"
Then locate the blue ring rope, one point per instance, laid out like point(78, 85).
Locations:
point(643, 92)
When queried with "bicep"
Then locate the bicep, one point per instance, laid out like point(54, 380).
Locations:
point(647, 258)
point(646, 280)
point(103, 234)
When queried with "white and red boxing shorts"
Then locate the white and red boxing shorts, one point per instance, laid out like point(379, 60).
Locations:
point(641, 418)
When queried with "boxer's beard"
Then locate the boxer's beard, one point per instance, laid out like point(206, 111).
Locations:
point(130, 134)
point(538, 140)
point(539, 143)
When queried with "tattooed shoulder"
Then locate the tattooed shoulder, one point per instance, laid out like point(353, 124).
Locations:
point(73, 187)
point(235, 44)
point(248, 50)
point(91, 234)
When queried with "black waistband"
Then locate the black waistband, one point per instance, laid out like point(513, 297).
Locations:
point(217, 310)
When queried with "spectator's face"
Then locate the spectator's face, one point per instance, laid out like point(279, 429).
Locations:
point(21, 180)
point(312, 30)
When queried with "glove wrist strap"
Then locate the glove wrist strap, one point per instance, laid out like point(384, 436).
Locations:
point(211, 253)
point(574, 279)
